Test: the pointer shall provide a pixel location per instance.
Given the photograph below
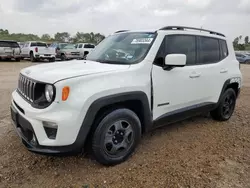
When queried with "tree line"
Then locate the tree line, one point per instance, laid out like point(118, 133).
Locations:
point(91, 37)
point(241, 45)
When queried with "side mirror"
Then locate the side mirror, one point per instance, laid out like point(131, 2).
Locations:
point(175, 60)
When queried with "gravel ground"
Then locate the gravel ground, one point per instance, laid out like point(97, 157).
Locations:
point(198, 152)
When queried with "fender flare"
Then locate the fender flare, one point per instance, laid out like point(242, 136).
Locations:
point(109, 100)
point(227, 83)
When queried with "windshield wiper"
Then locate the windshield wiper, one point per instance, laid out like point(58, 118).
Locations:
point(112, 62)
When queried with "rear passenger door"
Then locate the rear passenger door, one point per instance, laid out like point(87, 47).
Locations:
point(212, 65)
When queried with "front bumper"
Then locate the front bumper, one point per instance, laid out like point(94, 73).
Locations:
point(25, 131)
point(73, 56)
point(29, 124)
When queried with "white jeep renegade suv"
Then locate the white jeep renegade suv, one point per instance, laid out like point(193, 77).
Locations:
point(132, 82)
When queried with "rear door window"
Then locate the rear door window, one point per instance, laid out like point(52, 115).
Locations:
point(41, 44)
point(4, 44)
point(14, 45)
point(209, 50)
point(32, 44)
point(9, 44)
point(89, 46)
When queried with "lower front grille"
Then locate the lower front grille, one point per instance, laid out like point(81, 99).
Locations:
point(26, 87)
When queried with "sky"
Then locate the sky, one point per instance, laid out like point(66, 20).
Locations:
point(231, 17)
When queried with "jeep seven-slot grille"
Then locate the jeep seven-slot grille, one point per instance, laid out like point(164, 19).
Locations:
point(26, 87)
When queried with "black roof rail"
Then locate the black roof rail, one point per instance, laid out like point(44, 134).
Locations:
point(192, 28)
point(121, 31)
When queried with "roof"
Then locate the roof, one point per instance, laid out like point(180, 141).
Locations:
point(178, 28)
point(7, 41)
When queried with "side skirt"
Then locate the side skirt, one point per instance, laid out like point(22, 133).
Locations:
point(182, 114)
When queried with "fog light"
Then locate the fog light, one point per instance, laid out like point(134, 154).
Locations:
point(33, 140)
point(50, 129)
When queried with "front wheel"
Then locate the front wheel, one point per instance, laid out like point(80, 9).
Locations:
point(116, 137)
point(226, 106)
point(63, 57)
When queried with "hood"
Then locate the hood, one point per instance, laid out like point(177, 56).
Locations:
point(53, 72)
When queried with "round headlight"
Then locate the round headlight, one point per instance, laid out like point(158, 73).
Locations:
point(49, 92)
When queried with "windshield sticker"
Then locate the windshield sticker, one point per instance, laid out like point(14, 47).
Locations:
point(142, 41)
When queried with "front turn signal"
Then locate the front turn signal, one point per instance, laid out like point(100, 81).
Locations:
point(65, 93)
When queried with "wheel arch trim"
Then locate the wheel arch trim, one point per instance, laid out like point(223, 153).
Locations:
point(109, 100)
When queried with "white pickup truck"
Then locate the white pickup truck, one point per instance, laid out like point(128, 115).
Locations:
point(85, 48)
point(36, 50)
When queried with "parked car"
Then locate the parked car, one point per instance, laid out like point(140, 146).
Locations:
point(242, 58)
point(66, 51)
point(9, 50)
point(85, 49)
point(21, 44)
point(132, 82)
point(36, 50)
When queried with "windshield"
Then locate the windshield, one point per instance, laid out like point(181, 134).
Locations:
point(123, 48)
point(69, 46)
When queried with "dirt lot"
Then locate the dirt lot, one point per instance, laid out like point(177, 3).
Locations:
point(198, 152)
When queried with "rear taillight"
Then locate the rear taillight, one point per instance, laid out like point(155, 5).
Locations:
point(36, 49)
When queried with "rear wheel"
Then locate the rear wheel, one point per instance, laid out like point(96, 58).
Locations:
point(116, 137)
point(32, 58)
point(226, 106)
point(52, 59)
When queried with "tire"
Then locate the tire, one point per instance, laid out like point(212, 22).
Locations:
point(32, 58)
point(52, 60)
point(17, 59)
point(116, 137)
point(63, 57)
point(226, 106)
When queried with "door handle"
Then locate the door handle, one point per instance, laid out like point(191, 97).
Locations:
point(223, 71)
point(195, 75)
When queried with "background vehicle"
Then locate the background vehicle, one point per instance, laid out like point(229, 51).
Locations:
point(131, 83)
point(243, 58)
point(21, 44)
point(66, 51)
point(9, 50)
point(85, 48)
point(36, 50)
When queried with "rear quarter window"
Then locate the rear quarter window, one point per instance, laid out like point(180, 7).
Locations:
point(224, 49)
